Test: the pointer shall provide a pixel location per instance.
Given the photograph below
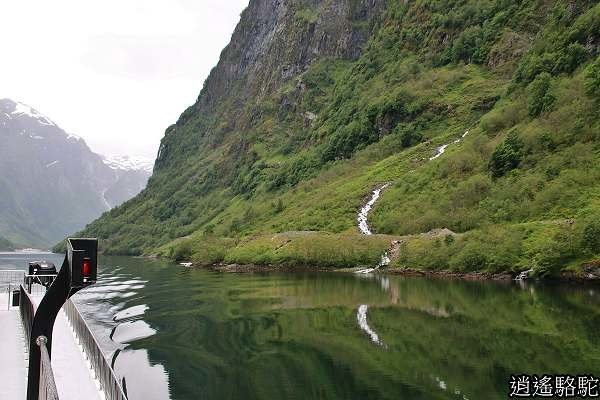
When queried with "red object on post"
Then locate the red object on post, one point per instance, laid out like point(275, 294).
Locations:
point(86, 267)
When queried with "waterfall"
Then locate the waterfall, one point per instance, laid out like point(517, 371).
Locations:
point(363, 226)
point(383, 262)
point(440, 150)
point(363, 213)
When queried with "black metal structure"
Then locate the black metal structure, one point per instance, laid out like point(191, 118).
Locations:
point(45, 268)
point(41, 268)
point(79, 269)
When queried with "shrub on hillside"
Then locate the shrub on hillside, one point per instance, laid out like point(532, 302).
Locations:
point(290, 173)
point(548, 249)
point(182, 252)
point(471, 258)
point(503, 117)
point(590, 239)
point(344, 142)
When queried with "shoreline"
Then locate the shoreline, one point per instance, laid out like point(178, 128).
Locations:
point(453, 275)
point(441, 274)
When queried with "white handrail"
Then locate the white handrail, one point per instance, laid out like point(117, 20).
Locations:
point(113, 390)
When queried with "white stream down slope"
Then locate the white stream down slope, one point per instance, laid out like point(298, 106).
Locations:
point(363, 213)
point(363, 226)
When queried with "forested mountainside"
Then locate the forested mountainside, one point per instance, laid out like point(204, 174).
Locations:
point(315, 103)
point(51, 183)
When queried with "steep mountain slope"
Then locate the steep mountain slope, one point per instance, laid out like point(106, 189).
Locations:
point(313, 104)
point(5, 244)
point(51, 183)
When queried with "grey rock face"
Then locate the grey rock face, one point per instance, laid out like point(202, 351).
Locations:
point(274, 42)
point(277, 39)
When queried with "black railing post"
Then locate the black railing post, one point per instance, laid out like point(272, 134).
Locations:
point(78, 271)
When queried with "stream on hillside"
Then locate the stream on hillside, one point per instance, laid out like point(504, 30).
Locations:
point(362, 218)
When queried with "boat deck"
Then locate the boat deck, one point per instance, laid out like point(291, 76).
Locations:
point(13, 364)
point(72, 372)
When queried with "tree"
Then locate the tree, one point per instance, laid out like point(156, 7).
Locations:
point(570, 58)
point(592, 80)
point(409, 136)
point(540, 98)
point(506, 156)
point(469, 46)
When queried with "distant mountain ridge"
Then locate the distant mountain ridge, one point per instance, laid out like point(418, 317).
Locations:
point(51, 183)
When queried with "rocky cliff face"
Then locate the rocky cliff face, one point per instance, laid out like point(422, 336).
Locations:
point(51, 183)
point(275, 41)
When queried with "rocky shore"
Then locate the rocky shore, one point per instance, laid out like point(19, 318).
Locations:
point(591, 272)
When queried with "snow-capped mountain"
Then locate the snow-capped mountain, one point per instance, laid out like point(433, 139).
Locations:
point(129, 163)
point(51, 183)
point(21, 109)
point(29, 120)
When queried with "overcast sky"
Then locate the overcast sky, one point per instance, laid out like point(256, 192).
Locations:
point(115, 72)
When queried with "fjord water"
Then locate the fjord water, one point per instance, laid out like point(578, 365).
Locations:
point(182, 333)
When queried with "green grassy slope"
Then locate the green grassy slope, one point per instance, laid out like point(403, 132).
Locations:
point(520, 190)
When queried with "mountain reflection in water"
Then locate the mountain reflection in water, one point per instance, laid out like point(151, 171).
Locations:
point(185, 333)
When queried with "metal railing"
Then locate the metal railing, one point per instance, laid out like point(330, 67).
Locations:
point(38, 284)
point(11, 276)
point(27, 309)
point(9, 281)
point(47, 385)
point(102, 369)
point(35, 284)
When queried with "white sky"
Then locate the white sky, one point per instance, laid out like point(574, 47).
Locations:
point(115, 72)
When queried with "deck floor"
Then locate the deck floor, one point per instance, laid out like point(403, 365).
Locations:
point(72, 372)
point(13, 367)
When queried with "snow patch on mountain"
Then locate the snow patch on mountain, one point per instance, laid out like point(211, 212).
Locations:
point(24, 109)
point(129, 163)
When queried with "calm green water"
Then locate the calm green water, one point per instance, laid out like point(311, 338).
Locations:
point(193, 334)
